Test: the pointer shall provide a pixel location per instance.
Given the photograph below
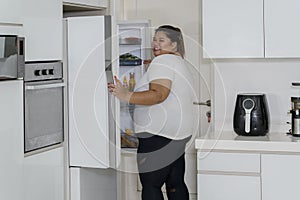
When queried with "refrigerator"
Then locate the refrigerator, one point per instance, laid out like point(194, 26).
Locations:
point(134, 48)
point(92, 136)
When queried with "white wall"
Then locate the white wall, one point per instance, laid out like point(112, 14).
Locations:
point(272, 77)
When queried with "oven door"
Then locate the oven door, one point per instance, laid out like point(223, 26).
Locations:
point(43, 104)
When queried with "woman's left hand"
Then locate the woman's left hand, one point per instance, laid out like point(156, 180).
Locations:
point(119, 91)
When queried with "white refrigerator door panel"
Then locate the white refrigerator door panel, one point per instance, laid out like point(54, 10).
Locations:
point(88, 94)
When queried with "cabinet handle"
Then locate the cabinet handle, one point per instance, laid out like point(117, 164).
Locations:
point(10, 24)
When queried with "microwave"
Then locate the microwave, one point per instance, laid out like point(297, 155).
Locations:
point(12, 58)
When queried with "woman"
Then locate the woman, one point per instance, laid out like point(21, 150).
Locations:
point(162, 116)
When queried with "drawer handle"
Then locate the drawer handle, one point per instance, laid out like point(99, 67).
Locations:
point(46, 86)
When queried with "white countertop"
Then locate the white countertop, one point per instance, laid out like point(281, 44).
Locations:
point(230, 141)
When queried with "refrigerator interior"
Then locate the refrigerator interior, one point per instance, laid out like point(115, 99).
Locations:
point(134, 49)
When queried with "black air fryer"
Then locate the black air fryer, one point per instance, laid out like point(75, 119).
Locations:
point(251, 115)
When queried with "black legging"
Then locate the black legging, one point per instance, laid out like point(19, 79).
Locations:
point(161, 160)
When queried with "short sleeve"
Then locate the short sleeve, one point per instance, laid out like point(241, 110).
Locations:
point(161, 68)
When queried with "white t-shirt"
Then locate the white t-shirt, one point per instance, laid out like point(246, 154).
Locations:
point(173, 117)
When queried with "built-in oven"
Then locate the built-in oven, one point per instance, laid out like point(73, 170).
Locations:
point(43, 105)
point(11, 57)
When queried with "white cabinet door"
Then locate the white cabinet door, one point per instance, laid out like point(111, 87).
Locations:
point(229, 187)
point(228, 162)
point(43, 29)
point(44, 176)
point(92, 3)
point(281, 29)
point(233, 29)
point(10, 12)
point(93, 184)
point(11, 140)
point(231, 176)
point(280, 177)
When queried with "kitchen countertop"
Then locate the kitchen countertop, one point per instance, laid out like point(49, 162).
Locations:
point(230, 141)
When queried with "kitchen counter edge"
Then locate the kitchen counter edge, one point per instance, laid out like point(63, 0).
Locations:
point(274, 142)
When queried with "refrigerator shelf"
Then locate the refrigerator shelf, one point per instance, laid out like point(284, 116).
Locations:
point(130, 62)
point(128, 141)
point(130, 41)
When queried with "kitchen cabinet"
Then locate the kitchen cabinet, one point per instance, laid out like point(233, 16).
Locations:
point(233, 29)
point(34, 177)
point(11, 142)
point(280, 177)
point(251, 28)
point(93, 184)
point(228, 176)
point(233, 165)
point(233, 187)
point(44, 175)
point(281, 33)
point(240, 175)
point(10, 13)
point(10, 17)
point(43, 30)
point(87, 3)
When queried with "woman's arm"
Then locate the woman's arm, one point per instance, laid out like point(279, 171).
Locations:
point(158, 91)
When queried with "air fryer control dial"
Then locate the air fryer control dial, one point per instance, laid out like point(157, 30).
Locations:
point(248, 104)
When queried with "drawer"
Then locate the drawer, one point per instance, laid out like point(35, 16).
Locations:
point(228, 162)
point(228, 187)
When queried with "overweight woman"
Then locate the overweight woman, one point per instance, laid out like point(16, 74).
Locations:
point(163, 116)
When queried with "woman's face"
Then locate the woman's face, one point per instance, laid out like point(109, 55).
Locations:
point(161, 44)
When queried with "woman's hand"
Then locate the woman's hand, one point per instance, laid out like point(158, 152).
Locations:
point(119, 91)
point(158, 91)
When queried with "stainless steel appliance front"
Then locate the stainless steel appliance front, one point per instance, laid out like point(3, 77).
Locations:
point(43, 104)
point(11, 57)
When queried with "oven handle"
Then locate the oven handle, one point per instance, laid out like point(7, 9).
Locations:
point(46, 86)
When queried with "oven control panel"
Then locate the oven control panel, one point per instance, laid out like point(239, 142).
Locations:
point(43, 71)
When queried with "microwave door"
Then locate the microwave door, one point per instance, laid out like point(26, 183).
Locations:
point(11, 57)
point(8, 57)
